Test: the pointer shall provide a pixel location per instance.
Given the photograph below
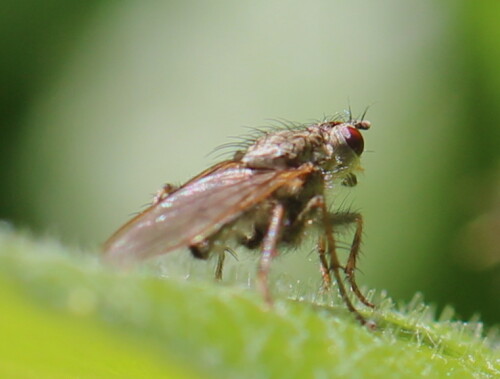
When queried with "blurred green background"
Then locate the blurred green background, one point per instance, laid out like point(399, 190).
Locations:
point(102, 102)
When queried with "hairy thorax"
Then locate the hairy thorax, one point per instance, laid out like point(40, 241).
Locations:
point(287, 148)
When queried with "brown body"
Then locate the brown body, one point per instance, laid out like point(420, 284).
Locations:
point(263, 198)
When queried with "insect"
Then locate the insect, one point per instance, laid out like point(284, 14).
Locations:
point(264, 198)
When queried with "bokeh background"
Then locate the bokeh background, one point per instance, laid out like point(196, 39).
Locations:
point(102, 102)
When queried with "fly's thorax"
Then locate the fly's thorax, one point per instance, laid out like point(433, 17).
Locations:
point(287, 149)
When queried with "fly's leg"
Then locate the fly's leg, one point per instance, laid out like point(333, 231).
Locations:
point(163, 192)
point(269, 251)
point(350, 268)
point(325, 272)
point(203, 250)
point(220, 265)
point(337, 219)
point(221, 258)
point(335, 264)
point(314, 204)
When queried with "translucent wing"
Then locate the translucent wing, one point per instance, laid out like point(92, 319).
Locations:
point(195, 211)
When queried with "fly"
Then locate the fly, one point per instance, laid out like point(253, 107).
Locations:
point(263, 198)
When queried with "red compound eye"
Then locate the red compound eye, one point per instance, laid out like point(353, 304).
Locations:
point(354, 139)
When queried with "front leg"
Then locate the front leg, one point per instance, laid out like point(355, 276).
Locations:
point(343, 218)
point(335, 264)
point(335, 219)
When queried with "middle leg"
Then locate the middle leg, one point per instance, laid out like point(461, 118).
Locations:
point(305, 216)
point(269, 251)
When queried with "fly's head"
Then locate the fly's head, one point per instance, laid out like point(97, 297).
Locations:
point(345, 144)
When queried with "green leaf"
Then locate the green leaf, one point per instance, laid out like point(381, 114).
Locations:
point(64, 314)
